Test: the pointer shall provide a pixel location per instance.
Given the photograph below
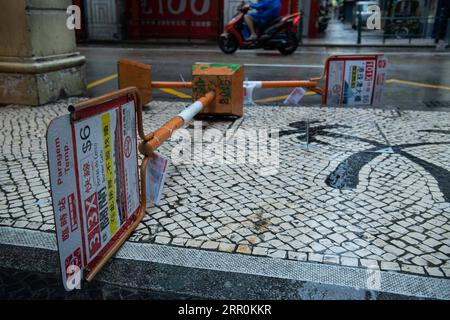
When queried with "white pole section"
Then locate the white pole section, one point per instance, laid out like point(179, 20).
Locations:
point(190, 112)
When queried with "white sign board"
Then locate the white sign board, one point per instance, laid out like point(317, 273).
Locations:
point(93, 166)
point(296, 95)
point(355, 80)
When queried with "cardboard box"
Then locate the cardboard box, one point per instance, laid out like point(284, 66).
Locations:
point(227, 81)
point(136, 74)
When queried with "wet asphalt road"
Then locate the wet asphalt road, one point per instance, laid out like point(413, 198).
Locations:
point(174, 62)
point(24, 285)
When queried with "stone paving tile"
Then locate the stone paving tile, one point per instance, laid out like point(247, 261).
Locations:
point(352, 199)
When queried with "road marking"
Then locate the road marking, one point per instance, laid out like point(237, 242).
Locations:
point(277, 65)
point(272, 99)
point(418, 84)
point(101, 81)
point(279, 98)
point(177, 93)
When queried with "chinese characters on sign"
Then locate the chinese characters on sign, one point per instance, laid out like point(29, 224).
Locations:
point(355, 80)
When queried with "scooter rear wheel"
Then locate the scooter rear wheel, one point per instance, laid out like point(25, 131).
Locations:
point(229, 44)
point(293, 45)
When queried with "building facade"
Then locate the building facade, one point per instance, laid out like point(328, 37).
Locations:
point(111, 20)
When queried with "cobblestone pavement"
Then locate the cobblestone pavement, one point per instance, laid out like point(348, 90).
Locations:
point(371, 190)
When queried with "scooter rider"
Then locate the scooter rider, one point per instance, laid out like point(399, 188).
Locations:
point(262, 13)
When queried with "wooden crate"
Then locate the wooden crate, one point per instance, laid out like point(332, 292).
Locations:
point(227, 80)
point(136, 74)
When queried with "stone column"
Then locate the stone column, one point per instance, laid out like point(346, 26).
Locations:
point(38, 59)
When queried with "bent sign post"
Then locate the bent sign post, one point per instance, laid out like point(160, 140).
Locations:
point(94, 177)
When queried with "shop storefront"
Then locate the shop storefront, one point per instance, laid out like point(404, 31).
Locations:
point(187, 19)
point(159, 19)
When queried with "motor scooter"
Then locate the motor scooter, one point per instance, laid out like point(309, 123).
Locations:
point(280, 34)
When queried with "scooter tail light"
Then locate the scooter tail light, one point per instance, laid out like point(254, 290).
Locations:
point(296, 20)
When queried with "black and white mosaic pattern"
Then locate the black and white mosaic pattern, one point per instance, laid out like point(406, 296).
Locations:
point(370, 190)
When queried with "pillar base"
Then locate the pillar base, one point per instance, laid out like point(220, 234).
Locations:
point(40, 81)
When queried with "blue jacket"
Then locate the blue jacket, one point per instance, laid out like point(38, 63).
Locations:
point(268, 10)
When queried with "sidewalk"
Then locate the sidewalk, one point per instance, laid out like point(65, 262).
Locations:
point(341, 34)
point(369, 199)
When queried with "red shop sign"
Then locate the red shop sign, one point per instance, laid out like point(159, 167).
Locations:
point(180, 18)
point(288, 6)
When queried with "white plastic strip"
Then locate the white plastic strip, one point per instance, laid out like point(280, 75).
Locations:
point(248, 98)
point(254, 84)
point(190, 112)
point(249, 87)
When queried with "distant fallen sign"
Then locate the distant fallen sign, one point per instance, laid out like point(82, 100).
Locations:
point(355, 80)
point(94, 177)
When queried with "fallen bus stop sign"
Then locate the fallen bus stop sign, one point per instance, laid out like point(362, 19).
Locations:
point(94, 177)
point(355, 80)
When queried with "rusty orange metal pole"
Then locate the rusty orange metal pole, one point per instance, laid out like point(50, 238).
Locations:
point(165, 132)
point(263, 84)
point(171, 84)
point(309, 84)
point(151, 142)
point(289, 84)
